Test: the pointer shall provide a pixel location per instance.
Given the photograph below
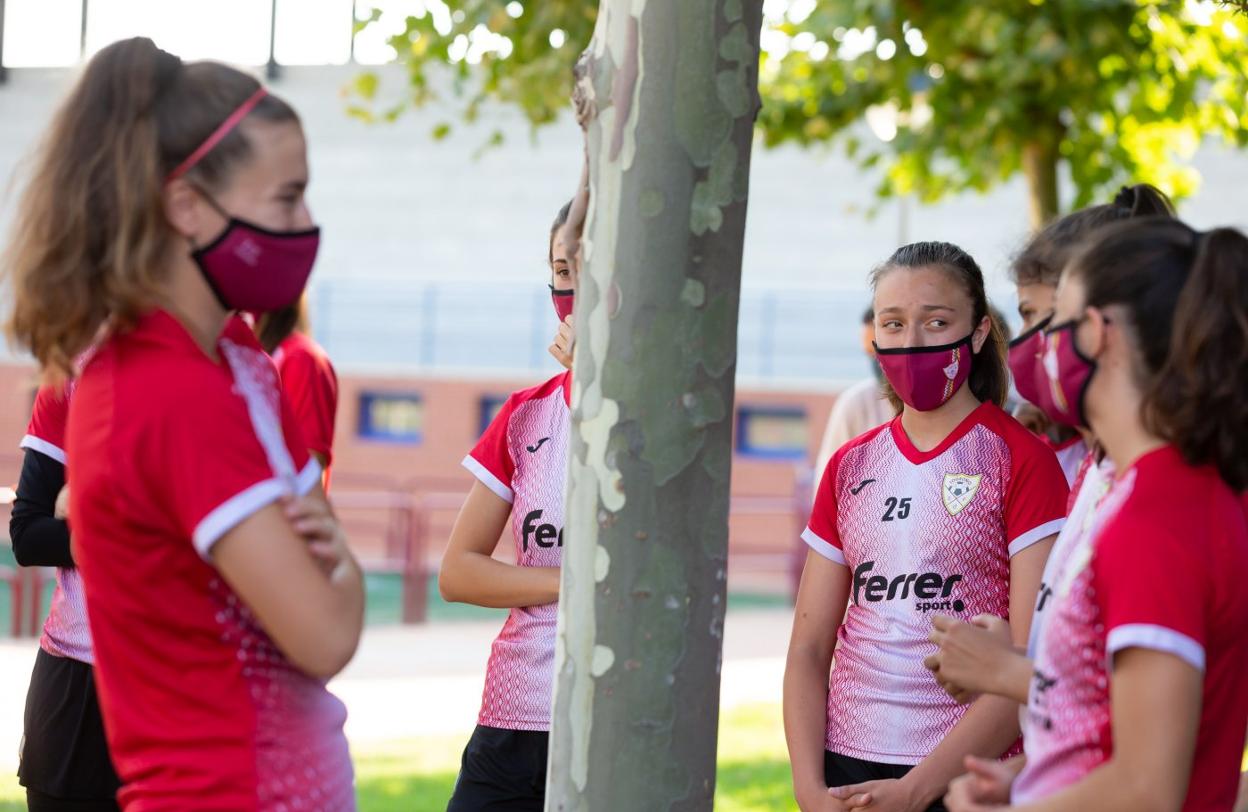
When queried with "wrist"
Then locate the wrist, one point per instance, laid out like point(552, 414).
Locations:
point(1014, 678)
point(919, 791)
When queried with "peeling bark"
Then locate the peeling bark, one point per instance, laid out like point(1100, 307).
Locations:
point(670, 89)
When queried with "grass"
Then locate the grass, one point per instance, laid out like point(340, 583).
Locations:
point(417, 775)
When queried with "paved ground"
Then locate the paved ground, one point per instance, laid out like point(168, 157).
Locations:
point(407, 682)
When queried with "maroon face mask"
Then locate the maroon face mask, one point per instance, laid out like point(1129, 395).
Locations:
point(1068, 372)
point(1027, 366)
point(926, 377)
point(563, 301)
point(252, 268)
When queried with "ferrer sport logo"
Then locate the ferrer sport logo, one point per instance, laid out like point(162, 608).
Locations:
point(959, 491)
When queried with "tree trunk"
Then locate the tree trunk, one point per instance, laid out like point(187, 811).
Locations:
point(673, 87)
point(1040, 167)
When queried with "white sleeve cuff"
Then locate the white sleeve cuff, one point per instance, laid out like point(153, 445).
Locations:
point(824, 548)
point(308, 478)
point(1036, 534)
point(488, 480)
point(229, 513)
point(1156, 638)
point(43, 447)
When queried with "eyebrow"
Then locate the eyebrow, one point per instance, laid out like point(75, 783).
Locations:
point(925, 308)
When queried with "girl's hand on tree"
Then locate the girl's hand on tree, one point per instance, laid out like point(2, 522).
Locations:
point(564, 341)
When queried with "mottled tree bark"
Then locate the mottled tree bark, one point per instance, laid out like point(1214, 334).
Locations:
point(671, 93)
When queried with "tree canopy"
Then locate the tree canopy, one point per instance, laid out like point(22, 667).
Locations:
point(956, 96)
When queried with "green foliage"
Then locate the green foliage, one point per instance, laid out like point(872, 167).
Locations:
point(1125, 90)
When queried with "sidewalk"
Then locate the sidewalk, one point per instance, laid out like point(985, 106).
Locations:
point(412, 681)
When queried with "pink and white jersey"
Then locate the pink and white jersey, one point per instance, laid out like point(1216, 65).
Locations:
point(65, 631)
point(523, 457)
point(1161, 568)
point(922, 532)
point(1092, 484)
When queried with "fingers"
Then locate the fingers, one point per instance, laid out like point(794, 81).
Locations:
point(851, 797)
point(932, 662)
point(990, 622)
point(981, 767)
point(316, 528)
point(944, 623)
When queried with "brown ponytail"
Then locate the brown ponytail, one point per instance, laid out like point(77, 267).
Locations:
point(1186, 294)
point(90, 242)
point(276, 326)
point(1200, 397)
point(1045, 255)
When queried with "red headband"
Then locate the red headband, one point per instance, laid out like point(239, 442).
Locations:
point(219, 133)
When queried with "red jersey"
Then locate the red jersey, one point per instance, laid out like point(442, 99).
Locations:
point(65, 631)
point(922, 533)
point(169, 450)
point(1162, 569)
point(311, 388)
point(523, 457)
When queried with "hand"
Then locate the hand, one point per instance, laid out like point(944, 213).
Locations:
point(61, 510)
point(986, 786)
point(889, 795)
point(583, 89)
point(313, 520)
point(818, 798)
point(971, 655)
point(565, 339)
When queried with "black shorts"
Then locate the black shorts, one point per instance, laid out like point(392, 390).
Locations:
point(502, 770)
point(64, 754)
point(840, 771)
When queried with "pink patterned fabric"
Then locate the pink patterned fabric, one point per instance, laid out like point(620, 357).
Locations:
point(523, 457)
point(922, 533)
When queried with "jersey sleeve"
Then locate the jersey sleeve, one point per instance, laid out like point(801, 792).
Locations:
point(1150, 589)
point(311, 388)
point(490, 460)
point(46, 431)
point(821, 534)
point(206, 466)
point(1035, 501)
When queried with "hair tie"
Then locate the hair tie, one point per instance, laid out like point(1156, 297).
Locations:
point(1125, 198)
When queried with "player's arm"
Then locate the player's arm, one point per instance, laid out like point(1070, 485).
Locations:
point(821, 599)
point(40, 538)
point(469, 572)
point(311, 605)
point(1155, 701)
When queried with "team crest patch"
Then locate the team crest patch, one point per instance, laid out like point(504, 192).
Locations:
point(959, 490)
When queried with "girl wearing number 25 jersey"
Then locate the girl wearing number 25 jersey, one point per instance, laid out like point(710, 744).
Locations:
point(950, 509)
